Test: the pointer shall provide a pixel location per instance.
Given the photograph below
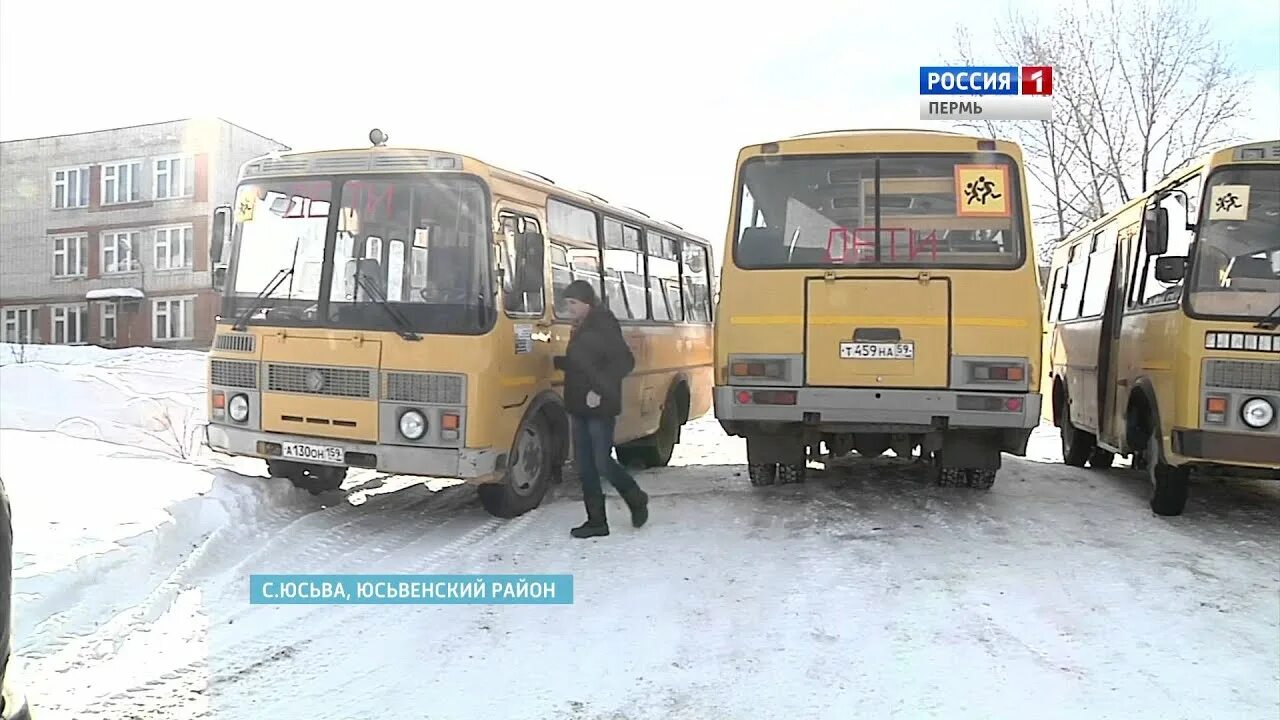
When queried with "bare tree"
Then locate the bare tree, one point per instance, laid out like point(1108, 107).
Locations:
point(1139, 90)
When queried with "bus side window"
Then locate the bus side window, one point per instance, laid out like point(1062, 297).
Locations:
point(517, 303)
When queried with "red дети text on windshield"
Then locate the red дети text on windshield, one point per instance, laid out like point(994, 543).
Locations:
point(862, 239)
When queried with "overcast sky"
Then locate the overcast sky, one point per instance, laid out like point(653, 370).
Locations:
point(645, 105)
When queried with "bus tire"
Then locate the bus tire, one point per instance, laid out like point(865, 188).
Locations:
point(657, 449)
point(1077, 445)
point(1169, 485)
point(762, 474)
point(790, 474)
point(979, 479)
point(528, 475)
point(1101, 459)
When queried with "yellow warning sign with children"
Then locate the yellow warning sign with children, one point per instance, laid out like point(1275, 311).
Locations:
point(982, 191)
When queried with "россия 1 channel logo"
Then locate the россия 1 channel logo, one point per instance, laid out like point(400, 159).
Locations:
point(986, 93)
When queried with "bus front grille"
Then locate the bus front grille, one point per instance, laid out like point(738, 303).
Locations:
point(1243, 375)
point(233, 373)
point(345, 382)
point(427, 388)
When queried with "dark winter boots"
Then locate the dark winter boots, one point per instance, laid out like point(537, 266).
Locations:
point(638, 501)
point(596, 525)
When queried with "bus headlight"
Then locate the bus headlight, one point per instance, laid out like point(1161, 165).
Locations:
point(412, 424)
point(238, 408)
point(1257, 413)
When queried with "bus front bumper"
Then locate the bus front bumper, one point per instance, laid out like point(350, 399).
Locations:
point(1227, 448)
point(872, 409)
point(471, 465)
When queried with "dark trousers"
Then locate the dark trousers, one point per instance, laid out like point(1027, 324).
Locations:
point(593, 456)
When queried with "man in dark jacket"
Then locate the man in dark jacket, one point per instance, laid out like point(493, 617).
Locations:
point(594, 364)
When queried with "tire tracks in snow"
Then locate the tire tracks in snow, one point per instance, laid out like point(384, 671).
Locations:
point(324, 544)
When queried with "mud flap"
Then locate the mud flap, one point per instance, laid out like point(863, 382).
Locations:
point(1015, 441)
point(776, 448)
point(974, 449)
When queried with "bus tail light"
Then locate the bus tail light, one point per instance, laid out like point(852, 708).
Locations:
point(990, 403)
point(1000, 373)
point(762, 369)
point(766, 397)
point(1215, 409)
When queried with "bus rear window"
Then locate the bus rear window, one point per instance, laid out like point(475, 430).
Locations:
point(956, 210)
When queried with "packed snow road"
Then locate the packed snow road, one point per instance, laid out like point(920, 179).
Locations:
point(865, 592)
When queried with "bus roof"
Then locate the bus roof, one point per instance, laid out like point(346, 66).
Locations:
point(936, 140)
point(382, 159)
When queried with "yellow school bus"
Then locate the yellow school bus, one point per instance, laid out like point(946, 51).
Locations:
point(1164, 315)
point(878, 292)
point(398, 309)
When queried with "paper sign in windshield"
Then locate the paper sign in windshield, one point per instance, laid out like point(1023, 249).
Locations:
point(245, 203)
point(1229, 202)
point(982, 191)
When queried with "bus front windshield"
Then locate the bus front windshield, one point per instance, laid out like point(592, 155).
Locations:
point(419, 244)
point(1237, 256)
point(929, 210)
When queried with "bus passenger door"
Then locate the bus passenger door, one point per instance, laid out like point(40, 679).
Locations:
point(523, 354)
point(1125, 362)
point(1110, 270)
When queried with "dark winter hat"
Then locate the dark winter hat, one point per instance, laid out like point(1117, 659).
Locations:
point(581, 291)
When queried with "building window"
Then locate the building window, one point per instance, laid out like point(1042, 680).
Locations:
point(68, 324)
point(173, 248)
point(71, 256)
point(71, 188)
point(121, 183)
point(107, 321)
point(20, 325)
point(117, 252)
point(173, 319)
point(174, 178)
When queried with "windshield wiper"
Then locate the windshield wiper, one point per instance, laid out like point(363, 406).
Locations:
point(1271, 321)
point(271, 286)
point(406, 330)
point(266, 291)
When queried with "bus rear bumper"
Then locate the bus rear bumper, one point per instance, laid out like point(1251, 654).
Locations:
point(471, 465)
point(852, 409)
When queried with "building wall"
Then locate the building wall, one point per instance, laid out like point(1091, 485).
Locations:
point(51, 256)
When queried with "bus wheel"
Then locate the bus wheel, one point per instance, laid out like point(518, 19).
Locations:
point(528, 473)
point(1077, 445)
point(789, 474)
point(1101, 459)
point(657, 449)
point(979, 479)
point(762, 474)
point(1169, 484)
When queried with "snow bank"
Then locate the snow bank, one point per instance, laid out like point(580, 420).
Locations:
point(144, 398)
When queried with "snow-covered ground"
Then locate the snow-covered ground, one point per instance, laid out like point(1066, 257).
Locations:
point(865, 592)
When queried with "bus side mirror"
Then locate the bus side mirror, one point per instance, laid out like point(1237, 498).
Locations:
point(1170, 269)
point(528, 276)
point(1157, 235)
point(218, 230)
